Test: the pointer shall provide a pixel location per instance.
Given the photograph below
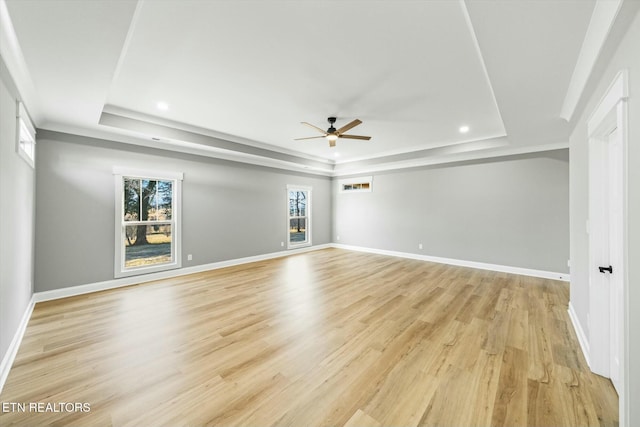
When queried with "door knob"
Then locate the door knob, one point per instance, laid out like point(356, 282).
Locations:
point(603, 269)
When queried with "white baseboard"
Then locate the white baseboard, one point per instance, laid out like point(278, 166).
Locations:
point(133, 280)
point(9, 357)
point(12, 351)
point(582, 337)
point(462, 263)
point(127, 281)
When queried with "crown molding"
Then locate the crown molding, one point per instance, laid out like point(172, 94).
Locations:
point(420, 149)
point(452, 158)
point(68, 133)
point(602, 21)
point(113, 110)
point(13, 59)
point(443, 155)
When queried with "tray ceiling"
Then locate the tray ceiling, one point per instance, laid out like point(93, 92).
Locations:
point(250, 71)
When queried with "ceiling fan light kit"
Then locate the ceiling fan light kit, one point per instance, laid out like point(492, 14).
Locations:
point(332, 134)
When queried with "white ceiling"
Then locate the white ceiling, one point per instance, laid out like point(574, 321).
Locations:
point(251, 71)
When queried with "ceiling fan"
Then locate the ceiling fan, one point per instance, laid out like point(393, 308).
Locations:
point(332, 134)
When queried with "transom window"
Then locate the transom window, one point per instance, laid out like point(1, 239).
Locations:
point(299, 216)
point(148, 227)
point(363, 184)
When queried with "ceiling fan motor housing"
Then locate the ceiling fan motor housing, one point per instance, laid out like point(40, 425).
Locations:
point(331, 129)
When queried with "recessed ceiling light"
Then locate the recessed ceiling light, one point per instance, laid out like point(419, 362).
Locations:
point(162, 106)
point(464, 129)
point(336, 154)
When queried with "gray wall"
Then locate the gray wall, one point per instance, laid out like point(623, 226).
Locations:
point(510, 211)
point(229, 210)
point(626, 54)
point(16, 219)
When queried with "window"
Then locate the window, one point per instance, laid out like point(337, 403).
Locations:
point(25, 136)
point(359, 186)
point(356, 185)
point(299, 216)
point(147, 222)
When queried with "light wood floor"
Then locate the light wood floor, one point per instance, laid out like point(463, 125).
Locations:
point(327, 338)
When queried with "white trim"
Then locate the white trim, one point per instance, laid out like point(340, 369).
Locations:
point(12, 351)
point(136, 115)
point(462, 263)
point(22, 114)
point(25, 135)
point(488, 153)
point(145, 173)
point(119, 268)
point(356, 180)
point(185, 147)
point(299, 187)
point(582, 337)
point(13, 57)
point(498, 148)
point(610, 113)
point(127, 41)
point(618, 90)
point(461, 146)
point(480, 57)
point(456, 147)
point(55, 294)
point(602, 20)
point(307, 217)
point(128, 281)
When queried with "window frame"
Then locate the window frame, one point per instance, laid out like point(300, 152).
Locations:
point(25, 136)
point(176, 221)
point(308, 220)
point(351, 182)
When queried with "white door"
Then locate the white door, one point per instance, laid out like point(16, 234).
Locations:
point(608, 333)
point(615, 278)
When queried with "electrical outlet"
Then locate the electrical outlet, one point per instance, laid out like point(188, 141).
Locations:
point(282, 244)
point(419, 245)
point(189, 257)
point(337, 237)
point(568, 263)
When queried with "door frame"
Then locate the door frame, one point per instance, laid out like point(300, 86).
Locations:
point(609, 114)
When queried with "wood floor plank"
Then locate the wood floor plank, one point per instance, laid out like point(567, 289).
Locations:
point(486, 376)
point(361, 419)
point(518, 333)
point(448, 408)
point(510, 407)
point(330, 337)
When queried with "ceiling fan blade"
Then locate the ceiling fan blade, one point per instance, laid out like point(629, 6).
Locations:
point(348, 126)
point(366, 138)
point(322, 131)
point(308, 137)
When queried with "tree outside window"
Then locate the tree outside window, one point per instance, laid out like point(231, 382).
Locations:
point(147, 235)
point(299, 220)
